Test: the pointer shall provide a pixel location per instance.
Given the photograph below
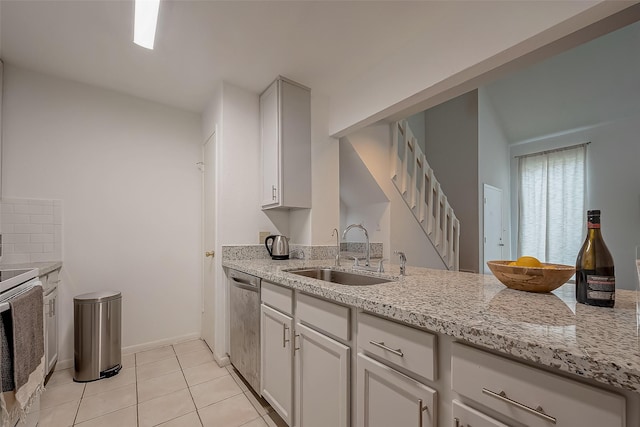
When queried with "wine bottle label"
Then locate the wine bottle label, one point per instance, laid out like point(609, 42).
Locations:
point(601, 287)
point(593, 225)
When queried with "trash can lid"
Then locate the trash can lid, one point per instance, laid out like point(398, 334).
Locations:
point(94, 297)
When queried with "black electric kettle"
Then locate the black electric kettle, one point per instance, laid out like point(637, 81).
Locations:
point(279, 247)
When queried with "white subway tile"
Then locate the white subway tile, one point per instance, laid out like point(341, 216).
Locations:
point(28, 248)
point(44, 257)
point(27, 228)
point(15, 258)
point(7, 228)
point(7, 248)
point(40, 238)
point(6, 207)
point(31, 209)
point(48, 228)
point(48, 210)
point(57, 234)
point(47, 247)
point(13, 201)
point(15, 219)
point(57, 202)
point(41, 219)
point(15, 238)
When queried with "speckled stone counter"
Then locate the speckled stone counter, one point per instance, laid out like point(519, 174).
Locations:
point(547, 329)
point(43, 267)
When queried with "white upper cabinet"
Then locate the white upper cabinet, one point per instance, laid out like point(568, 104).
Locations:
point(285, 132)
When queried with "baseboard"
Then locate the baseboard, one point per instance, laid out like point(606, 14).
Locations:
point(160, 343)
point(221, 361)
point(68, 363)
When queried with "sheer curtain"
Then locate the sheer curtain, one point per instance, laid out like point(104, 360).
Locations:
point(551, 204)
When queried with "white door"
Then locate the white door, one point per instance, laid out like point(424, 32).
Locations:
point(493, 242)
point(388, 398)
point(276, 373)
point(322, 380)
point(208, 239)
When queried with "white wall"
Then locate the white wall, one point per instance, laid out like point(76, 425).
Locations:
point(613, 176)
point(125, 171)
point(485, 36)
point(493, 167)
point(373, 145)
point(452, 153)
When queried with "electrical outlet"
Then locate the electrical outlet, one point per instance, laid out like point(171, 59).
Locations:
point(264, 235)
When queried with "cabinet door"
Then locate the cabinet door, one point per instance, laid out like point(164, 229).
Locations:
point(270, 141)
point(388, 398)
point(322, 380)
point(464, 416)
point(50, 329)
point(277, 361)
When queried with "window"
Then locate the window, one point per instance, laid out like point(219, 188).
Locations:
point(551, 204)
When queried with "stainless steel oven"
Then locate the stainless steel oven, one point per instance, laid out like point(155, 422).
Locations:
point(244, 316)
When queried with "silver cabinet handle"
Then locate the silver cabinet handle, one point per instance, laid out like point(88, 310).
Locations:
point(421, 409)
point(294, 342)
point(535, 411)
point(380, 344)
point(457, 421)
point(273, 192)
point(284, 335)
point(53, 307)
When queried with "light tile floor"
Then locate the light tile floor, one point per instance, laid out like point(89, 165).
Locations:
point(173, 386)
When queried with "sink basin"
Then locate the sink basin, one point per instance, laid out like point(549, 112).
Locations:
point(340, 277)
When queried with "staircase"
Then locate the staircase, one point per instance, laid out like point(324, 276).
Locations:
point(414, 179)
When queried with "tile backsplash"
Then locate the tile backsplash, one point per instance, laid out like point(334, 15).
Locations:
point(31, 230)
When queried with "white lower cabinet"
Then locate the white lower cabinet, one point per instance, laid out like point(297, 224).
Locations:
point(464, 416)
point(322, 380)
point(385, 398)
point(50, 304)
point(277, 361)
point(531, 396)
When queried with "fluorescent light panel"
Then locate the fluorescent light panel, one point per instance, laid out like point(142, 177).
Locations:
point(145, 21)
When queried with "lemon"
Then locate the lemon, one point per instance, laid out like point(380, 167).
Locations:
point(512, 263)
point(528, 261)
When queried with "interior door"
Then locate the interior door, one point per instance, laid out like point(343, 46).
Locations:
point(493, 242)
point(208, 240)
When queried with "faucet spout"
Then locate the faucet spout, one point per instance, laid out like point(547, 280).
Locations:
point(337, 233)
point(366, 235)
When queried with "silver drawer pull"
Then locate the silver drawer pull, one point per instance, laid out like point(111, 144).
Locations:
point(421, 409)
point(535, 411)
point(284, 335)
point(380, 344)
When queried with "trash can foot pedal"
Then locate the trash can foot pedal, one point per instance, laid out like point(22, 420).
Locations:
point(111, 371)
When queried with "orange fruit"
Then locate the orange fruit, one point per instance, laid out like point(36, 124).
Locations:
point(528, 261)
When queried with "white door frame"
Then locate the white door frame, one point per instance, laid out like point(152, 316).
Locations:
point(491, 188)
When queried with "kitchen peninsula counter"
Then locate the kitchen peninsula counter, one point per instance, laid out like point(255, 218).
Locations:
point(550, 330)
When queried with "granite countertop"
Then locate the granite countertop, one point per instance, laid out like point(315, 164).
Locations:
point(551, 329)
point(43, 267)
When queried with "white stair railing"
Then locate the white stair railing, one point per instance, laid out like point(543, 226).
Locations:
point(414, 179)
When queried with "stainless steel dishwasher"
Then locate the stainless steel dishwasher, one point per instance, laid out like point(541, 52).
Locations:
point(244, 302)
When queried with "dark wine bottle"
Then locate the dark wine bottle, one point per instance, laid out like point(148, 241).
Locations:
point(595, 278)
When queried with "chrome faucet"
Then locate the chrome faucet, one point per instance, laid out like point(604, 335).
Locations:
point(403, 262)
point(366, 235)
point(337, 233)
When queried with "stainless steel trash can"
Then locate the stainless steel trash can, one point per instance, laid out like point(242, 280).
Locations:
point(97, 335)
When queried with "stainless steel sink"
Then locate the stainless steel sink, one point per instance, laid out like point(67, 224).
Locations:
point(340, 277)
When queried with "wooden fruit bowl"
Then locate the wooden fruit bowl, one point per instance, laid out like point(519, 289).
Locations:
point(531, 279)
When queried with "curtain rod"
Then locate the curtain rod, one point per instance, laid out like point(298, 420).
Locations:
point(555, 150)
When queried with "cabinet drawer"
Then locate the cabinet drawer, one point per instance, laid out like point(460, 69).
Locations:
point(324, 315)
point(277, 296)
point(531, 396)
point(407, 347)
point(464, 416)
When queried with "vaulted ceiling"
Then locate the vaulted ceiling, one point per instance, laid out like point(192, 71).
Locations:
point(593, 83)
point(200, 43)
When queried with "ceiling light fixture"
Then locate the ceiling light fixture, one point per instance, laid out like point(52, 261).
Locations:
point(145, 21)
